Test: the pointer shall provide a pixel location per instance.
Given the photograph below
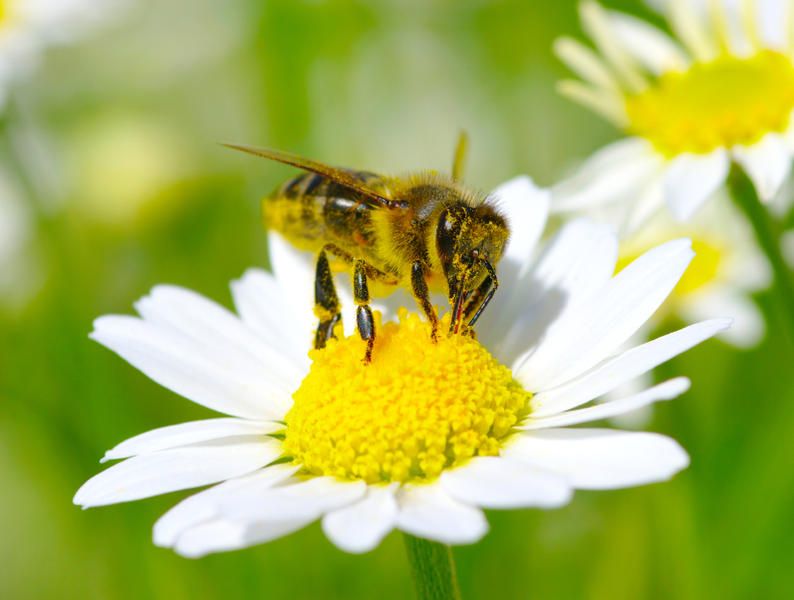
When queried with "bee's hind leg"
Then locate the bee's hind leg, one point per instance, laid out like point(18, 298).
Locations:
point(326, 302)
point(364, 319)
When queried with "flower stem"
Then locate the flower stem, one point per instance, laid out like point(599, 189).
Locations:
point(746, 198)
point(433, 569)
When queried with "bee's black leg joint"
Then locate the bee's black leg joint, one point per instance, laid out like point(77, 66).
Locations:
point(422, 295)
point(326, 302)
point(364, 320)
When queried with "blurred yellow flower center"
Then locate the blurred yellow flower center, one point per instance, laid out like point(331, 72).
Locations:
point(419, 408)
point(3, 11)
point(724, 102)
point(704, 269)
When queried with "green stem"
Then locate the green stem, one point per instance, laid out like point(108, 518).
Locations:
point(433, 569)
point(766, 233)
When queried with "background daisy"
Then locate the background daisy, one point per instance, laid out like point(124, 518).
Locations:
point(719, 92)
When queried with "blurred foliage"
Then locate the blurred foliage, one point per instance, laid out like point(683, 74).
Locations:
point(115, 143)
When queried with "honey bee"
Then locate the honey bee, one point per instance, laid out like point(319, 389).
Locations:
point(423, 231)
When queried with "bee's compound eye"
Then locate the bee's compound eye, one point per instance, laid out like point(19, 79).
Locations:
point(447, 234)
point(475, 254)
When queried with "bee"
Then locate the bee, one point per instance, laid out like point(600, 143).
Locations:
point(424, 231)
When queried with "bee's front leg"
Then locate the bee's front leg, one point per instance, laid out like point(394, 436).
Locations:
point(326, 302)
point(422, 296)
point(364, 320)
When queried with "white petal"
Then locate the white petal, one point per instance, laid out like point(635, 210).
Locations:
point(203, 506)
point(653, 48)
point(176, 469)
point(576, 263)
point(428, 512)
point(691, 30)
point(607, 176)
point(184, 434)
point(292, 501)
point(597, 24)
point(623, 367)
point(601, 458)
point(217, 332)
point(361, 526)
point(182, 367)
point(585, 63)
point(612, 408)
point(747, 327)
point(221, 535)
point(265, 307)
point(526, 207)
point(594, 331)
point(691, 179)
point(767, 163)
point(496, 482)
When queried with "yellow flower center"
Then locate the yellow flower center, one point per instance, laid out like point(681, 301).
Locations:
point(419, 408)
point(725, 102)
point(3, 11)
point(705, 268)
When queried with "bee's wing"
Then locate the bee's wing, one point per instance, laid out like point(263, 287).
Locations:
point(336, 175)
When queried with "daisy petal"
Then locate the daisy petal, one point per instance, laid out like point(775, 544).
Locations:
point(601, 458)
point(176, 469)
point(579, 260)
point(184, 434)
point(664, 391)
point(293, 500)
point(428, 512)
point(495, 482)
point(203, 506)
point(526, 207)
point(747, 326)
point(692, 178)
point(650, 46)
point(218, 332)
point(222, 536)
point(361, 526)
point(767, 163)
point(624, 367)
point(585, 63)
point(262, 306)
point(178, 365)
point(582, 339)
point(611, 172)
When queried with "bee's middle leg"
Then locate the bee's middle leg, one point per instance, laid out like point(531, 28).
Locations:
point(422, 295)
point(326, 302)
point(364, 320)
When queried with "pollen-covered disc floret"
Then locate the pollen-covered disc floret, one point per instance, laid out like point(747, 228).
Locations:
point(419, 408)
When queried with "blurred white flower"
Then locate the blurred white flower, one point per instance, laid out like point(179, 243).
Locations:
point(722, 91)
point(428, 434)
point(727, 267)
point(27, 27)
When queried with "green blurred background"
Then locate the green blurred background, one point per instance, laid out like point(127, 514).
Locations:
point(113, 143)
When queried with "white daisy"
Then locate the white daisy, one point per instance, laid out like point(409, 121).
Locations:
point(728, 266)
point(28, 26)
point(721, 92)
point(427, 435)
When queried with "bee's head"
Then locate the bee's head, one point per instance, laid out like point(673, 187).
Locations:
point(470, 241)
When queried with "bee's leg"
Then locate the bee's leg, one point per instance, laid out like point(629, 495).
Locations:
point(422, 296)
point(326, 302)
point(364, 321)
